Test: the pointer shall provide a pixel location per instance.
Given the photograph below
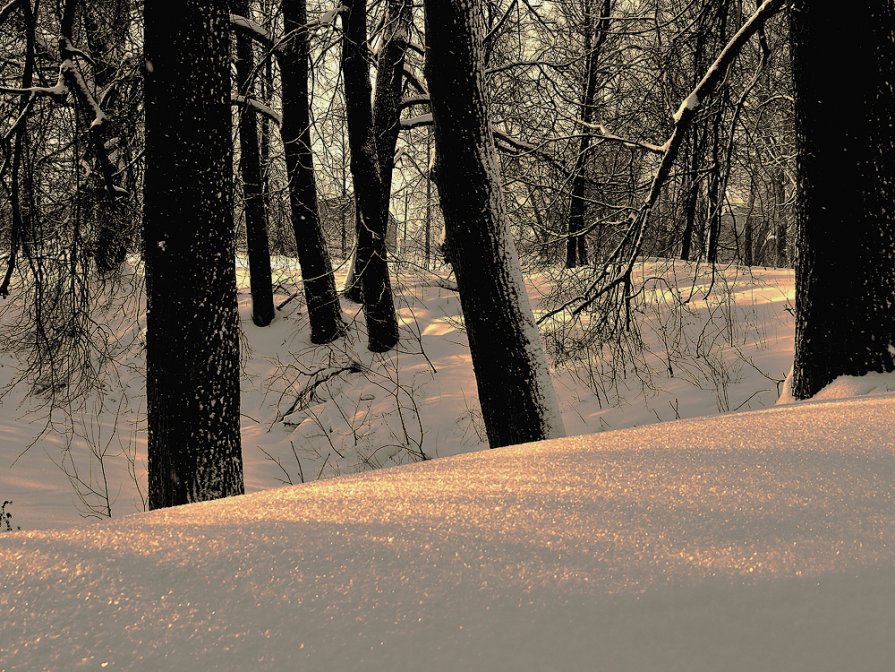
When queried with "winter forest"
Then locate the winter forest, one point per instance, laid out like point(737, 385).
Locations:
point(328, 254)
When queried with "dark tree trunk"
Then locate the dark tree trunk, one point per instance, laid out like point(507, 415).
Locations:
point(324, 311)
point(595, 31)
point(104, 40)
point(713, 192)
point(389, 83)
point(693, 178)
point(716, 182)
point(516, 395)
point(845, 140)
point(691, 194)
point(748, 229)
point(20, 193)
point(781, 243)
point(264, 148)
point(111, 242)
point(192, 338)
point(372, 210)
point(427, 244)
point(260, 279)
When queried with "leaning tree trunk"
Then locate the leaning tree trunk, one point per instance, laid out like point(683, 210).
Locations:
point(324, 311)
point(845, 279)
point(372, 211)
point(192, 337)
point(516, 394)
point(260, 276)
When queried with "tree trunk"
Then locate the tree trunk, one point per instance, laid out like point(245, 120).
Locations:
point(691, 194)
point(714, 197)
point(372, 212)
point(780, 233)
point(260, 279)
point(748, 230)
point(21, 191)
point(516, 395)
point(324, 311)
point(595, 31)
point(693, 179)
point(845, 279)
point(192, 337)
point(389, 83)
point(716, 182)
point(111, 245)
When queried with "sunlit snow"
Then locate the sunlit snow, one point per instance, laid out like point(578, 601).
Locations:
point(751, 541)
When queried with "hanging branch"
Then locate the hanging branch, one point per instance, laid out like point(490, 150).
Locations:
point(617, 272)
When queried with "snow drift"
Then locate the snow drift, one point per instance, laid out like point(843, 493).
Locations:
point(752, 541)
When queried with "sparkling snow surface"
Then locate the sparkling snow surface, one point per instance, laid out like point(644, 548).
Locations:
point(753, 541)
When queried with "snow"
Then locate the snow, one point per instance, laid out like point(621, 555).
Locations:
point(728, 349)
point(847, 386)
point(691, 102)
point(748, 541)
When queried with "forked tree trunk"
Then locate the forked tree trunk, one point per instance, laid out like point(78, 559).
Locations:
point(845, 278)
point(324, 311)
point(192, 330)
point(516, 395)
point(370, 261)
point(260, 280)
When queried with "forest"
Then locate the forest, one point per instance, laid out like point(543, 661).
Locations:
point(257, 243)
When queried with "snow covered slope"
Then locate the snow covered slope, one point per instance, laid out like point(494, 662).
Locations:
point(711, 340)
point(752, 541)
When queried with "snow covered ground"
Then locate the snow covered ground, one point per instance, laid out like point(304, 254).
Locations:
point(749, 541)
point(317, 412)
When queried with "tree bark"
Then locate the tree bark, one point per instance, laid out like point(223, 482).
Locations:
point(781, 244)
point(845, 140)
point(370, 261)
point(324, 311)
point(595, 31)
point(260, 277)
point(192, 338)
point(516, 395)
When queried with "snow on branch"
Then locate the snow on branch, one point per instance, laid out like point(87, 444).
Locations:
point(260, 34)
point(58, 91)
point(417, 121)
point(605, 135)
point(256, 32)
point(75, 81)
point(8, 9)
point(257, 106)
point(410, 101)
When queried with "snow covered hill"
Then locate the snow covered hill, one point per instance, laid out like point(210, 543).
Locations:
point(751, 541)
point(709, 340)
